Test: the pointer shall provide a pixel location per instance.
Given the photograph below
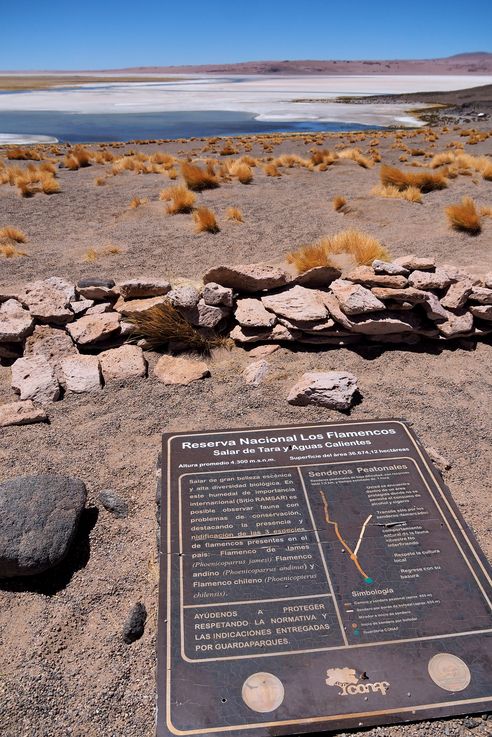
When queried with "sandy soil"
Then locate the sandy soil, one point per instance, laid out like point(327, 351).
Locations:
point(64, 669)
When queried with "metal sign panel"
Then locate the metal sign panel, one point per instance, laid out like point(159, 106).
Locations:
point(315, 577)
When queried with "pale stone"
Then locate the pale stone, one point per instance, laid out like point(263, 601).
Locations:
point(389, 267)
point(205, 316)
point(482, 295)
point(184, 297)
point(172, 370)
point(99, 308)
point(456, 325)
point(252, 313)
point(140, 306)
point(15, 322)
point(260, 335)
point(92, 329)
point(34, 378)
point(52, 343)
point(307, 327)
point(256, 372)
point(317, 277)
point(215, 294)
point(413, 262)
point(409, 294)
point(437, 279)
point(21, 413)
point(433, 308)
point(366, 276)
point(263, 350)
point(440, 461)
point(385, 323)
point(97, 288)
point(457, 294)
point(248, 277)
point(143, 287)
point(487, 280)
point(484, 312)
point(49, 300)
point(81, 374)
point(332, 389)
point(355, 299)
point(78, 308)
point(297, 303)
point(333, 306)
point(124, 362)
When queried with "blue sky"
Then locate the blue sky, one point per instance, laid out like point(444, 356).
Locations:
point(90, 34)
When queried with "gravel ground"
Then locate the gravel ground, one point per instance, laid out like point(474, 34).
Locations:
point(64, 668)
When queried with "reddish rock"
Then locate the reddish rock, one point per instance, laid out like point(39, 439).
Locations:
point(171, 370)
point(21, 413)
point(248, 277)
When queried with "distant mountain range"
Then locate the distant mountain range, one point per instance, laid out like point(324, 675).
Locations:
point(476, 62)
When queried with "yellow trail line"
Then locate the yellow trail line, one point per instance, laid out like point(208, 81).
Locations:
point(353, 556)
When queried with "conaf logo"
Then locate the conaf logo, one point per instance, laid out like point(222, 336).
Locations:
point(350, 684)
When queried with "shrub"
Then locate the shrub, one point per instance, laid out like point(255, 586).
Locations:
point(137, 202)
point(180, 198)
point(234, 213)
point(12, 234)
point(90, 255)
point(10, 251)
point(49, 184)
point(70, 162)
point(242, 171)
point(82, 155)
point(464, 216)
point(205, 220)
point(425, 181)
point(361, 247)
point(340, 204)
point(355, 155)
point(271, 170)
point(198, 179)
point(412, 194)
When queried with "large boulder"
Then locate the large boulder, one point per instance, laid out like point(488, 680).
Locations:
point(15, 322)
point(297, 303)
point(332, 389)
point(34, 378)
point(38, 521)
point(248, 277)
point(81, 374)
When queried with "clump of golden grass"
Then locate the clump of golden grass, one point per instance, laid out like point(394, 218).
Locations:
point(9, 233)
point(198, 179)
point(340, 204)
point(412, 194)
point(242, 171)
point(227, 150)
point(82, 155)
point(271, 170)
point(112, 250)
point(137, 202)
point(172, 173)
point(486, 211)
point(49, 184)
point(10, 251)
point(180, 198)
point(424, 181)
point(464, 216)
point(100, 181)
point(90, 255)
point(162, 324)
point(234, 213)
point(205, 220)
point(71, 163)
point(355, 155)
point(361, 247)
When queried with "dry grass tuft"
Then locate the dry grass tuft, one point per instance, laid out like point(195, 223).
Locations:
point(180, 198)
point(234, 213)
point(271, 170)
point(162, 324)
point(340, 204)
point(412, 194)
point(90, 255)
point(205, 220)
point(10, 251)
point(355, 155)
point(136, 202)
point(242, 171)
point(198, 179)
point(10, 233)
point(464, 216)
point(425, 181)
point(486, 211)
point(70, 162)
point(100, 181)
point(360, 247)
point(49, 184)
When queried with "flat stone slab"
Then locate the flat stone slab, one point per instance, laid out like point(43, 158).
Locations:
point(456, 325)
point(317, 277)
point(414, 263)
point(81, 374)
point(355, 299)
point(251, 312)
point(437, 279)
point(367, 276)
point(172, 370)
point(481, 295)
point(52, 343)
point(248, 277)
point(92, 329)
point(205, 316)
point(389, 267)
point(457, 295)
point(48, 300)
point(140, 306)
point(259, 335)
point(297, 303)
point(143, 287)
point(15, 322)
point(332, 389)
point(125, 362)
point(484, 312)
point(34, 378)
point(21, 413)
point(39, 516)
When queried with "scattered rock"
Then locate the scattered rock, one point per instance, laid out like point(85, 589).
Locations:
point(94, 288)
point(21, 413)
point(297, 303)
point(34, 378)
point(256, 372)
point(389, 267)
point(416, 263)
point(249, 277)
point(184, 297)
point(205, 316)
point(332, 389)
point(487, 280)
point(95, 282)
point(263, 350)
point(49, 300)
point(456, 325)
point(484, 312)
point(385, 323)
point(113, 503)
point(317, 277)
point(481, 295)
point(260, 335)
point(437, 279)
point(92, 329)
point(442, 463)
point(82, 305)
point(252, 313)
point(52, 343)
point(215, 294)
point(409, 294)
point(457, 294)
point(99, 308)
point(142, 287)
point(124, 362)
point(355, 299)
point(333, 306)
point(433, 308)
point(15, 322)
point(135, 624)
point(140, 306)
point(172, 370)
point(367, 276)
point(81, 374)
point(38, 521)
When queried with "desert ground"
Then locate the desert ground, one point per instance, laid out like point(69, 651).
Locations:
point(64, 667)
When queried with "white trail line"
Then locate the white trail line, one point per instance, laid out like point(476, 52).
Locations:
point(362, 533)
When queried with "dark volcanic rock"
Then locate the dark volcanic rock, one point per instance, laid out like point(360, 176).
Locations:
point(113, 503)
point(38, 520)
point(135, 624)
point(95, 282)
